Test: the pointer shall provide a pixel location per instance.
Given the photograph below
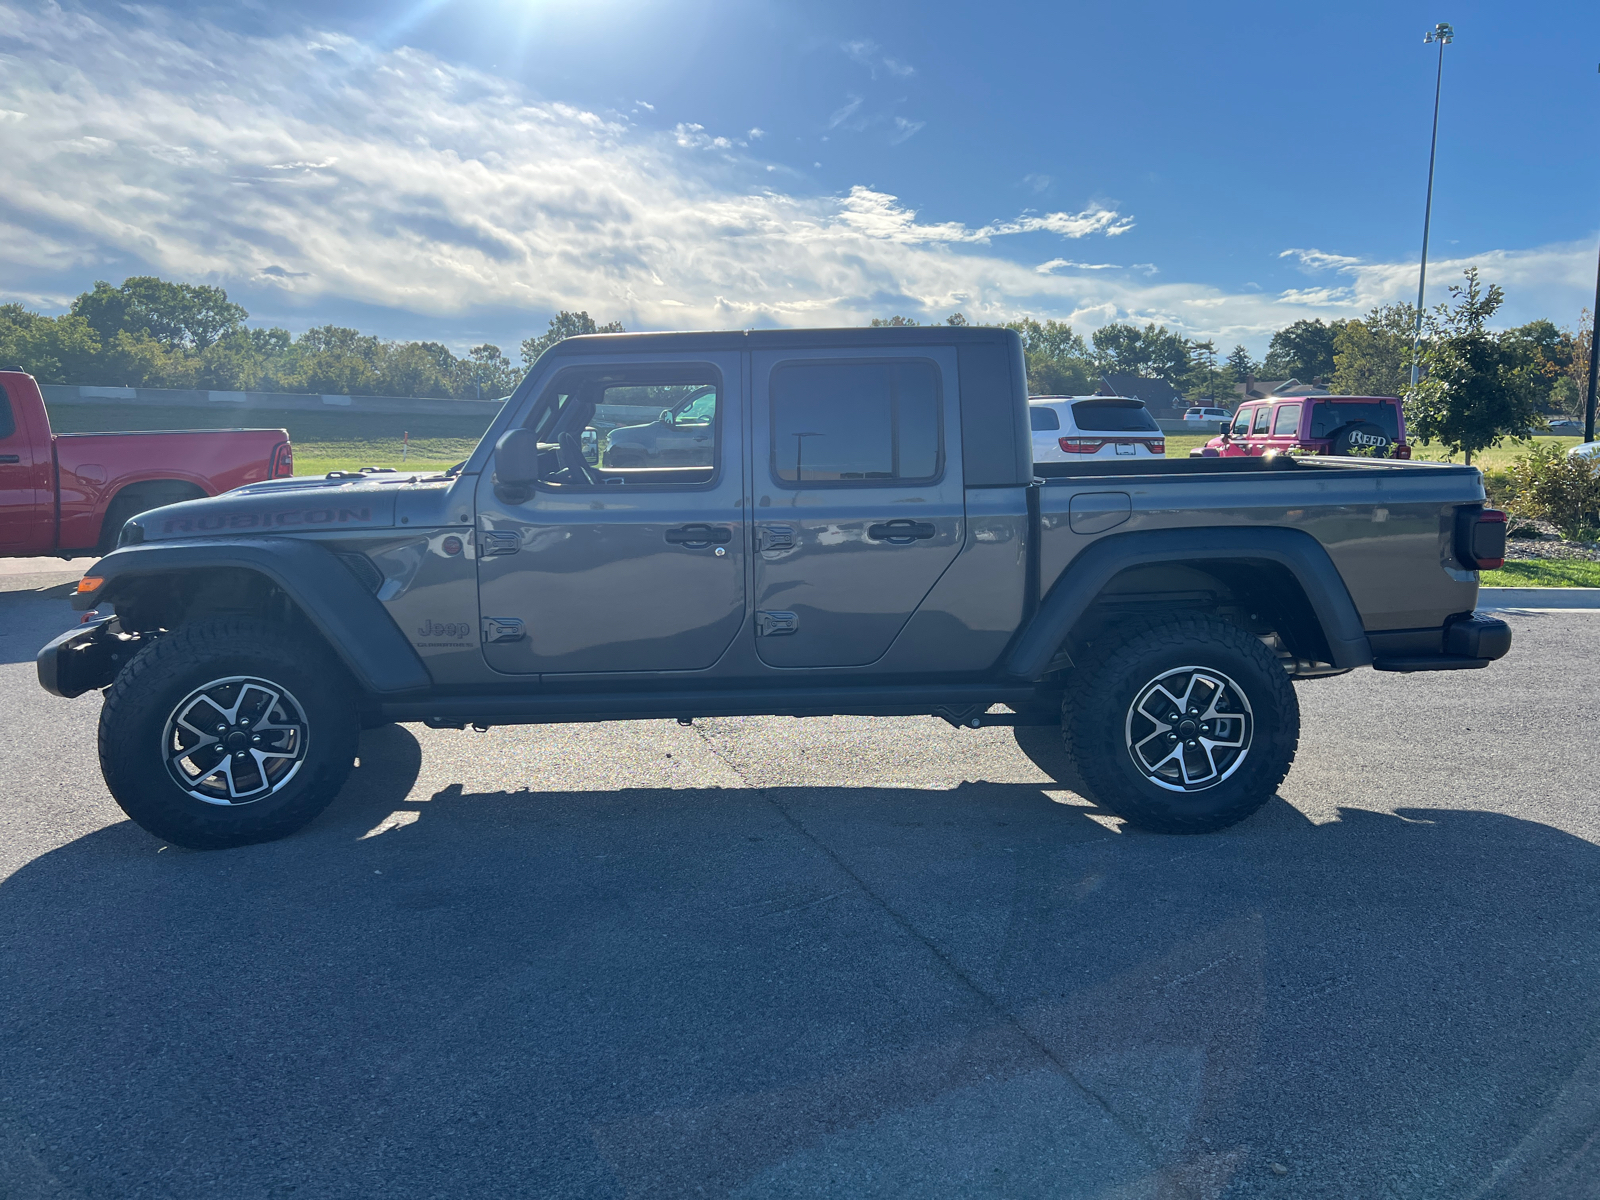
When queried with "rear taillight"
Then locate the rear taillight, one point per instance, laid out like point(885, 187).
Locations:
point(1088, 445)
point(1401, 450)
point(283, 461)
point(1481, 538)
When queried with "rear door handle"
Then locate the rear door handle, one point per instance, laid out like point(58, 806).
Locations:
point(10, 458)
point(699, 535)
point(900, 532)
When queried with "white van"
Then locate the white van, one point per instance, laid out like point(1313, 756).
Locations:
point(1073, 428)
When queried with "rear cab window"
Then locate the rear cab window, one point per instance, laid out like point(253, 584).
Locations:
point(860, 423)
point(1287, 421)
point(1042, 419)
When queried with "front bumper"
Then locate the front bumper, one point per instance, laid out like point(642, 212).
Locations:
point(86, 658)
point(1471, 640)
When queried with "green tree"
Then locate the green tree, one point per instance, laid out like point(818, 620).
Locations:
point(492, 373)
point(562, 326)
point(1473, 394)
point(1575, 389)
point(1240, 364)
point(181, 316)
point(1541, 355)
point(53, 350)
point(1152, 352)
point(1303, 351)
point(1372, 355)
point(1058, 359)
point(896, 322)
point(1206, 380)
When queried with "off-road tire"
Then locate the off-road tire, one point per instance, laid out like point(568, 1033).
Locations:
point(162, 680)
point(1121, 667)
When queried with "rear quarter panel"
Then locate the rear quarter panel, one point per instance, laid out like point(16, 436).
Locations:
point(1388, 529)
point(92, 468)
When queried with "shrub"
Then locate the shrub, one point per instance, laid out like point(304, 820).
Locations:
point(1550, 485)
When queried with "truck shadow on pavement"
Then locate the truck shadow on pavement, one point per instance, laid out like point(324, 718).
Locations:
point(802, 991)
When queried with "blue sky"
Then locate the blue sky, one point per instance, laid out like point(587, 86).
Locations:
point(459, 170)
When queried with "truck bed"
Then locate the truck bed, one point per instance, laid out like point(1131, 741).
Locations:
point(1379, 521)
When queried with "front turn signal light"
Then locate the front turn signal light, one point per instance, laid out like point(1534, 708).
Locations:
point(88, 583)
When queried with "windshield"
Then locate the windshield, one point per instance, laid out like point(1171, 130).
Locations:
point(1328, 416)
point(1113, 416)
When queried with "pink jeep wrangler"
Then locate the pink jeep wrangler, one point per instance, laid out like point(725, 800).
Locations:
point(1320, 424)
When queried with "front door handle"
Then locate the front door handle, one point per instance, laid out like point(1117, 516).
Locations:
point(10, 458)
point(695, 536)
point(901, 533)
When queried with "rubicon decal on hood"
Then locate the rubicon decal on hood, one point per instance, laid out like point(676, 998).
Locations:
point(215, 522)
point(241, 513)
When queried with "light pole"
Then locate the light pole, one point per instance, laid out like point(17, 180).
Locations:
point(1594, 357)
point(1443, 34)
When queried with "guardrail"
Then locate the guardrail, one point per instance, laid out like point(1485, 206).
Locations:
point(72, 394)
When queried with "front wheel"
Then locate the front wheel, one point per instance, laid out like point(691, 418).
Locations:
point(226, 733)
point(1181, 724)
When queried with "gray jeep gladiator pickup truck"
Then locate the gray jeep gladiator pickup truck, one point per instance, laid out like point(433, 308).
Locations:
point(866, 534)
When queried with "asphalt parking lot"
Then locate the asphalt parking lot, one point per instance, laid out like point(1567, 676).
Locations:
point(842, 957)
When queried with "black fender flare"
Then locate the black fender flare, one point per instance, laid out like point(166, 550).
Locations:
point(356, 626)
point(1086, 576)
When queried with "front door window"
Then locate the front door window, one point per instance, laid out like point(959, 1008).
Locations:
point(634, 564)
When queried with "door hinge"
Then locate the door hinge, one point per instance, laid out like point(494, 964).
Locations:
point(498, 543)
point(775, 624)
point(776, 537)
point(502, 629)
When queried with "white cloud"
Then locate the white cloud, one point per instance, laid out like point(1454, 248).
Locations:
point(1055, 264)
point(844, 113)
point(340, 174)
point(1317, 260)
point(904, 129)
point(866, 53)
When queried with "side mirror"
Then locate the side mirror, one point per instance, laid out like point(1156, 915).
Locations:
point(666, 416)
point(516, 457)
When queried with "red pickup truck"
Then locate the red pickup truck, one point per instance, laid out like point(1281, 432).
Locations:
point(69, 493)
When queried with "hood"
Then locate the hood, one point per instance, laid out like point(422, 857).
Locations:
point(278, 506)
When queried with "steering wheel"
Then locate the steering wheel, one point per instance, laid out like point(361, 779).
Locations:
point(572, 460)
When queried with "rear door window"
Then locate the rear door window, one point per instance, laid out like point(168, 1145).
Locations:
point(1329, 416)
point(1287, 422)
point(8, 423)
point(1113, 416)
point(1042, 420)
point(862, 422)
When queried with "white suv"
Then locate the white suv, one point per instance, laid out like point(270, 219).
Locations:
point(1072, 428)
point(1207, 415)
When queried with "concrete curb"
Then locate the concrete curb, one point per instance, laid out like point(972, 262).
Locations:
point(1556, 597)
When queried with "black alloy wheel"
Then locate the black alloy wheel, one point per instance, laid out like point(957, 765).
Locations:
point(1180, 724)
point(227, 732)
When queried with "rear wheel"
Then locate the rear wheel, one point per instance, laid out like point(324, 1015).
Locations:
point(1181, 724)
point(223, 733)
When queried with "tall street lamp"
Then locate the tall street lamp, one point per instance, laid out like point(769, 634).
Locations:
point(1443, 34)
point(1594, 358)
